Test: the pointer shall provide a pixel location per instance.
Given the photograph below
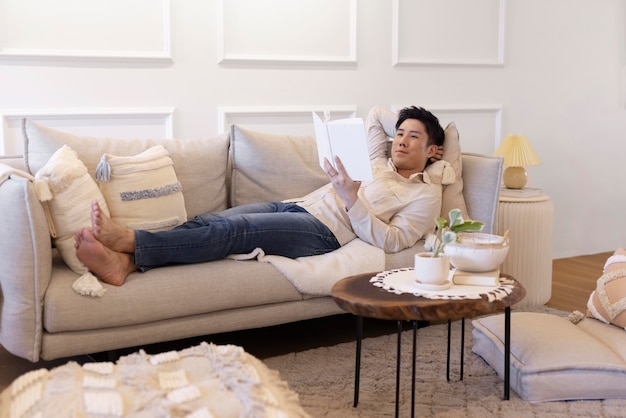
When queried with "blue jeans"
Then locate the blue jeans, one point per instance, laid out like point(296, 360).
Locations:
point(278, 228)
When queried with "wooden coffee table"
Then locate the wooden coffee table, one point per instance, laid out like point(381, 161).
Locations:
point(357, 295)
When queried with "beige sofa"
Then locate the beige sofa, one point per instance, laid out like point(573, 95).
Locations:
point(43, 317)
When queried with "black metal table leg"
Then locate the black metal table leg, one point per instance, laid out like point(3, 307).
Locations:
point(357, 368)
point(413, 370)
point(448, 356)
point(462, 348)
point(507, 351)
point(398, 369)
point(462, 345)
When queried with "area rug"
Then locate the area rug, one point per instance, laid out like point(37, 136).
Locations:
point(324, 379)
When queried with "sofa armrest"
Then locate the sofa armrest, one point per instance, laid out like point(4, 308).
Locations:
point(26, 264)
point(16, 161)
point(482, 175)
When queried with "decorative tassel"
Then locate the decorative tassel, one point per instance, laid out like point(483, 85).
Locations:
point(42, 189)
point(575, 317)
point(103, 170)
point(448, 175)
point(88, 285)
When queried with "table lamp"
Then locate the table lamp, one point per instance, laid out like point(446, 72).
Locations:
point(517, 153)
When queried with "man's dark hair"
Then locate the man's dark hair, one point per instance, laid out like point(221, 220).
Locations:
point(430, 121)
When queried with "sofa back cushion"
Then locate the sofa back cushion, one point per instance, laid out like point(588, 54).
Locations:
point(200, 164)
point(269, 167)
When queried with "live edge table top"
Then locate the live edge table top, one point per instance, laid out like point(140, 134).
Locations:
point(355, 294)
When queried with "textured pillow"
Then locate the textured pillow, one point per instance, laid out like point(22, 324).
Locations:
point(200, 163)
point(268, 167)
point(452, 197)
point(142, 191)
point(66, 189)
point(608, 302)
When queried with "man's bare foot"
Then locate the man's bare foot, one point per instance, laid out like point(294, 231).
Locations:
point(109, 233)
point(110, 266)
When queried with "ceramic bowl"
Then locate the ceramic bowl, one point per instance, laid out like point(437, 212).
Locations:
point(478, 252)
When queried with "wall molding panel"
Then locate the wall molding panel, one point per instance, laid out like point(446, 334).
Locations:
point(324, 32)
point(284, 120)
point(104, 123)
point(93, 31)
point(456, 33)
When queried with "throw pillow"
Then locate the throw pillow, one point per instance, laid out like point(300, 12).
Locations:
point(608, 301)
point(142, 191)
point(66, 190)
point(452, 197)
point(201, 164)
point(255, 156)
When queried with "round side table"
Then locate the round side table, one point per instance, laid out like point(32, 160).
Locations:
point(530, 221)
point(357, 295)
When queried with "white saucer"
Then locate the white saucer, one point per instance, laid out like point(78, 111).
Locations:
point(429, 286)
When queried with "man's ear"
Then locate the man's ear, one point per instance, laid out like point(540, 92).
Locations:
point(432, 150)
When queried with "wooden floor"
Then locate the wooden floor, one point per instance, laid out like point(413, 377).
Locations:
point(573, 279)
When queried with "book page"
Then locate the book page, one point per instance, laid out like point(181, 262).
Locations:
point(346, 139)
point(323, 144)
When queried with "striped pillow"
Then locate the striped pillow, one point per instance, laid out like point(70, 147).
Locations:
point(142, 191)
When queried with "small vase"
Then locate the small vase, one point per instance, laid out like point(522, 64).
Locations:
point(432, 270)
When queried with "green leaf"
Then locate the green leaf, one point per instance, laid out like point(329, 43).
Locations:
point(448, 237)
point(441, 223)
point(468, 226)
point(456, 217)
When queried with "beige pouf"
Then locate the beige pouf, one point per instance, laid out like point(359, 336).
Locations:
point(202, 381)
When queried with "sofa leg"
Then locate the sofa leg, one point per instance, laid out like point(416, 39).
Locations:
point(112, 355)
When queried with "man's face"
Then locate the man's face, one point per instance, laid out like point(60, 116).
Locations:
point(410, 150)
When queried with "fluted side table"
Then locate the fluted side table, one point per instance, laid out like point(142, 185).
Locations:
point(530, 221)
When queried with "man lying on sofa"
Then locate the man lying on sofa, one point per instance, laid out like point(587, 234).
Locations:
point(391, 212)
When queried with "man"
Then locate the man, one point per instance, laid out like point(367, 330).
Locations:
point(391, 212)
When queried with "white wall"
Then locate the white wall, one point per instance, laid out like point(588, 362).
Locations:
point(552, 70)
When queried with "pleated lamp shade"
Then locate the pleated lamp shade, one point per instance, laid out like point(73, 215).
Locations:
point(517, 153)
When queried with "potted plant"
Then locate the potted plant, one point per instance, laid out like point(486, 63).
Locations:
point(445, 232)
point(433, 268)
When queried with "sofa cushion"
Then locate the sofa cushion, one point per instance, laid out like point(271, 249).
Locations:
point(553, 359)
point(67, 190)
point(269, 167)
point(165, 293)
point(200, 164)
point(142, 190)
point(608, 301)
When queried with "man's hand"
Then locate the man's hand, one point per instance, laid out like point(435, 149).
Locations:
point(346, 188)
point(438, 155)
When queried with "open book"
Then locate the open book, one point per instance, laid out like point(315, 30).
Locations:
point(346, 139)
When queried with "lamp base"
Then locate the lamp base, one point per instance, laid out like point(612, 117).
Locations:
point(514, 177)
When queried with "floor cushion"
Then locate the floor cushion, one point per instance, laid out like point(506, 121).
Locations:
point(554, 359)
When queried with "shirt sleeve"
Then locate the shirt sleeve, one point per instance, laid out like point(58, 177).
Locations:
point(380, 125)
